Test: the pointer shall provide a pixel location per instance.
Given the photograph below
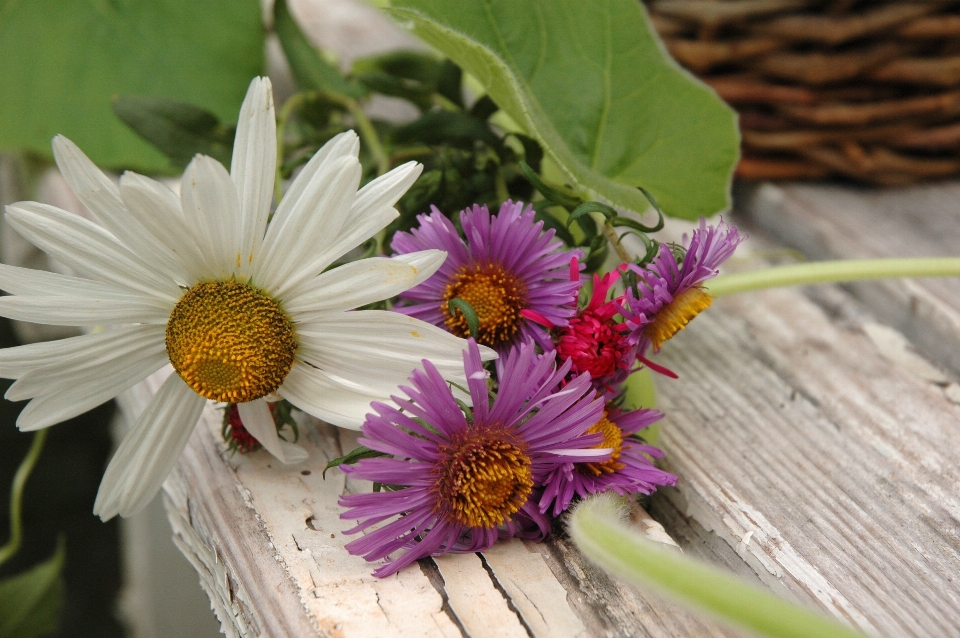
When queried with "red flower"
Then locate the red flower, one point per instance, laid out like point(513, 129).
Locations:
point(593, 341)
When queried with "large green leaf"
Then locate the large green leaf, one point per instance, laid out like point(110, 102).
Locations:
point(591, 81)
point(61, 61)
point(30, 601)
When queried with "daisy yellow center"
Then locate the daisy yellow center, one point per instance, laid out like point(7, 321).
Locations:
point(675, 316)
point(483, 480)
point(230, 342)
point(612, 438)
point(496, 295)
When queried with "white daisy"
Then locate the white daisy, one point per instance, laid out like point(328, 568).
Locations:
point(243, 311)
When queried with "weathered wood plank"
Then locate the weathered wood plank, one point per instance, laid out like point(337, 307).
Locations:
point(836, 222)
point(267, 543)
point(829, 469)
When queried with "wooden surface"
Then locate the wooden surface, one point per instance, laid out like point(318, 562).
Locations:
point(267, 544)
point(819, 456)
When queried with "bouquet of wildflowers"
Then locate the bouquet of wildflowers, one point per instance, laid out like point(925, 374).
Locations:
point(319, 260)
point(459, 467)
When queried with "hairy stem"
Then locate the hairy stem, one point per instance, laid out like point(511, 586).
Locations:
point(614, 240)
point(833, 271)
point(596, 529)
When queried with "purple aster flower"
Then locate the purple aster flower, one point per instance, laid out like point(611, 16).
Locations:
point(628, 470)
point(509, 270)
point(670, 293)
point(458, 479)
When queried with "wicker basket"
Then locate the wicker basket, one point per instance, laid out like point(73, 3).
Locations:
point(865, 90)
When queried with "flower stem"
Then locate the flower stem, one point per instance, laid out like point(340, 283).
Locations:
point(611, 236)
point(596, 529)
point(16, 495)
point(288, 108)
point(833, 271)
point(369, 135)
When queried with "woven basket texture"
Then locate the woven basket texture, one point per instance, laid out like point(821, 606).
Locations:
point(868, 91)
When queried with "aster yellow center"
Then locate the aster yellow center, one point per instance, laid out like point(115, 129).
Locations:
point(483, 480)
point(675, 316)
point(612, 438)
point(496, 295)
point(230, 342)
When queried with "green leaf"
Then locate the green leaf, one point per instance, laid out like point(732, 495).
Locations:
point(179, 130)
point(30, 602)
point(352, 457)
point(591, 82)
point(596, 529)
point(309, 68)
point(63, 60)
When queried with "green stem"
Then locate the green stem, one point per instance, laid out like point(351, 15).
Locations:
point(16, 495)
point(288, 108)
point(831, 271)
point(369, 135)
point(596, 528)
point(614, 240)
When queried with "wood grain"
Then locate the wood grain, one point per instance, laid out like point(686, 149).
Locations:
point(267, 543)
point(834, 222)
point(830, 470)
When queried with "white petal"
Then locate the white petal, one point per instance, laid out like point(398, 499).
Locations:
point(254, 166)
point(259, 422)
point(382, 334)
point(311, 392)
point(29, 282)
point(289, 253)
point(99, 194)
point(17, 361)
point(210, 207)
point(88, 248)
point(86, 393)
point(149, 451)
point(83, 311)
point(361, 282)
point(379, 382)
point(345, 144)
point(372, 210)
point(92, 366)
point(158, 209)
